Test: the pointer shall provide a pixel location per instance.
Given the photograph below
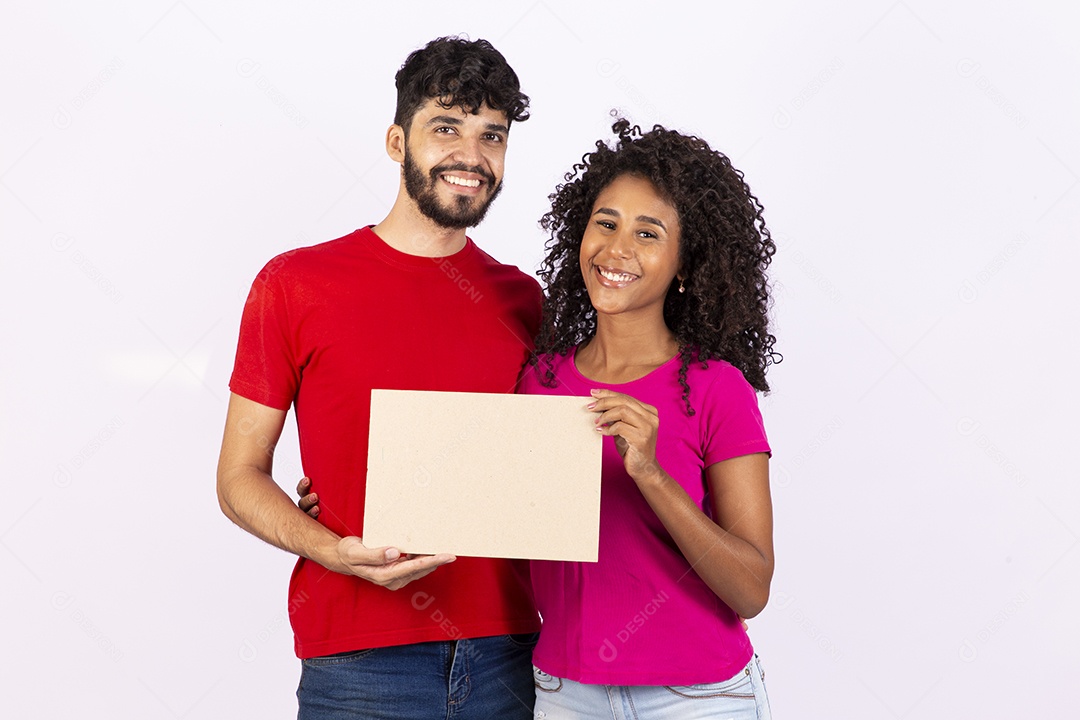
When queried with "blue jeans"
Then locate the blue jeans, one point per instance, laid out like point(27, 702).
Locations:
point(481, 678)
point(739, 698)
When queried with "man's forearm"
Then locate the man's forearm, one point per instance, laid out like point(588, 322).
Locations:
point(252, 500)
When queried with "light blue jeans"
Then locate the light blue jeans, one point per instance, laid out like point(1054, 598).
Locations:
point(740, 698)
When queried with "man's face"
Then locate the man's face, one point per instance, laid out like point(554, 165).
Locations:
point(453, 163)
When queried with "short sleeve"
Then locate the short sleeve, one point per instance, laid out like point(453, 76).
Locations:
point(731, 421)
point(265, 370)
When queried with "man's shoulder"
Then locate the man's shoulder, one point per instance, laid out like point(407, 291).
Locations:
point(504, 270)
point(311, 258)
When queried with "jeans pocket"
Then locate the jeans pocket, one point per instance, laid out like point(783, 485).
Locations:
point(524, 641)
point(740, 686)
point(339, 658)
point(546, 683)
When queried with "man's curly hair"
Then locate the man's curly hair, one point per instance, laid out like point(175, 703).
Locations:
point(459, 73)
point(724, 250)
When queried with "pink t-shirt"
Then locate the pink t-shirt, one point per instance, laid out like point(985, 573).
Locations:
point(641, 615)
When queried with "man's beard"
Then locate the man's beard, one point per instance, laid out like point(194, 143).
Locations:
point(461, 213)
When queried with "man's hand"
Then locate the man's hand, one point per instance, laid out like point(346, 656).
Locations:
point(250, 498)
point(383, 566)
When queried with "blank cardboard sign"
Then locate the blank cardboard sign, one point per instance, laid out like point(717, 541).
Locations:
point(489, 475)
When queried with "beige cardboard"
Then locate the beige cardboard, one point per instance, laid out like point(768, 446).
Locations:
point(490, 475)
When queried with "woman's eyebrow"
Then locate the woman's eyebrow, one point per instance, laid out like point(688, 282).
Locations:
point(642, 218)
point(652, 220)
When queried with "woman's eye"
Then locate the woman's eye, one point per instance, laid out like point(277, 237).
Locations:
point(645, 234)
point(606, 224)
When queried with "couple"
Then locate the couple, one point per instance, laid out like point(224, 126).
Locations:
point(654, 309)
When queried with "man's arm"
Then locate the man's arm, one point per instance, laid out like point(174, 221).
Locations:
point(250, 498)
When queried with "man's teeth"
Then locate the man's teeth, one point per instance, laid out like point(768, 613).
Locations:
point(617, 277)
point(454, 180)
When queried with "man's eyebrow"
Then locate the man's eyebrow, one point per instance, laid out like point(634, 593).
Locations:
point(445, 120)
point(642, 218)
point(456, 121)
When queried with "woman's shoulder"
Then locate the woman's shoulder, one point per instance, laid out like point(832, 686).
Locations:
point(716, 379)
point(540, 377)
point(714, 369)
point(554, 359)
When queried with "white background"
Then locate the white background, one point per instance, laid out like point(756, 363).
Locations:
point(919, 167)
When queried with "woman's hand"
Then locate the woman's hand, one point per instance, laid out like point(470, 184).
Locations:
point(309, 501)
point(634, 425)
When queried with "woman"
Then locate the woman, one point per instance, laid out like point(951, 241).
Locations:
point(656, 306)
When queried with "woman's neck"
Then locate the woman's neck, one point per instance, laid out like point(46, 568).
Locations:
point(624, 349)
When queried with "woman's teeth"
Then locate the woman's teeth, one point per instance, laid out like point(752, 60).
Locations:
point(617, 277)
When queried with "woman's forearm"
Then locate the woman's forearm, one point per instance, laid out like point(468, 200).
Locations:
point(738, 572)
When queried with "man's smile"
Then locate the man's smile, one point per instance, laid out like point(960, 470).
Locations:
point(461, 181)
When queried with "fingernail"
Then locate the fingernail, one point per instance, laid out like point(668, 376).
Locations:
point(591, 405)
point(392, 554)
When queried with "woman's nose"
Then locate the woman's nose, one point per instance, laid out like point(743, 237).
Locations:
point(620, 245)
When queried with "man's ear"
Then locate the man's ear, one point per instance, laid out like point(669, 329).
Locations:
point(395, 143)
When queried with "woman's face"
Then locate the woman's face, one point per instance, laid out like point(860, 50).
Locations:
point(630, 250)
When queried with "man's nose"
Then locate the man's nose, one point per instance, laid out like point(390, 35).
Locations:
point(467, 151)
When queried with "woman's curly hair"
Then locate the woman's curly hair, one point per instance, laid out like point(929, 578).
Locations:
point(724, 250)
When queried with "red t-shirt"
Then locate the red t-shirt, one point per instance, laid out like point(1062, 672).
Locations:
point(322, 327)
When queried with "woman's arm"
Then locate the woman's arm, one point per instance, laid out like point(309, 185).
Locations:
point(734, 554)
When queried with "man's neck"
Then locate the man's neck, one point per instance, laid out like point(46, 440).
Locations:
point(408, 230)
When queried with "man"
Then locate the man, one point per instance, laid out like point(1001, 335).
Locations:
point(410, 303)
